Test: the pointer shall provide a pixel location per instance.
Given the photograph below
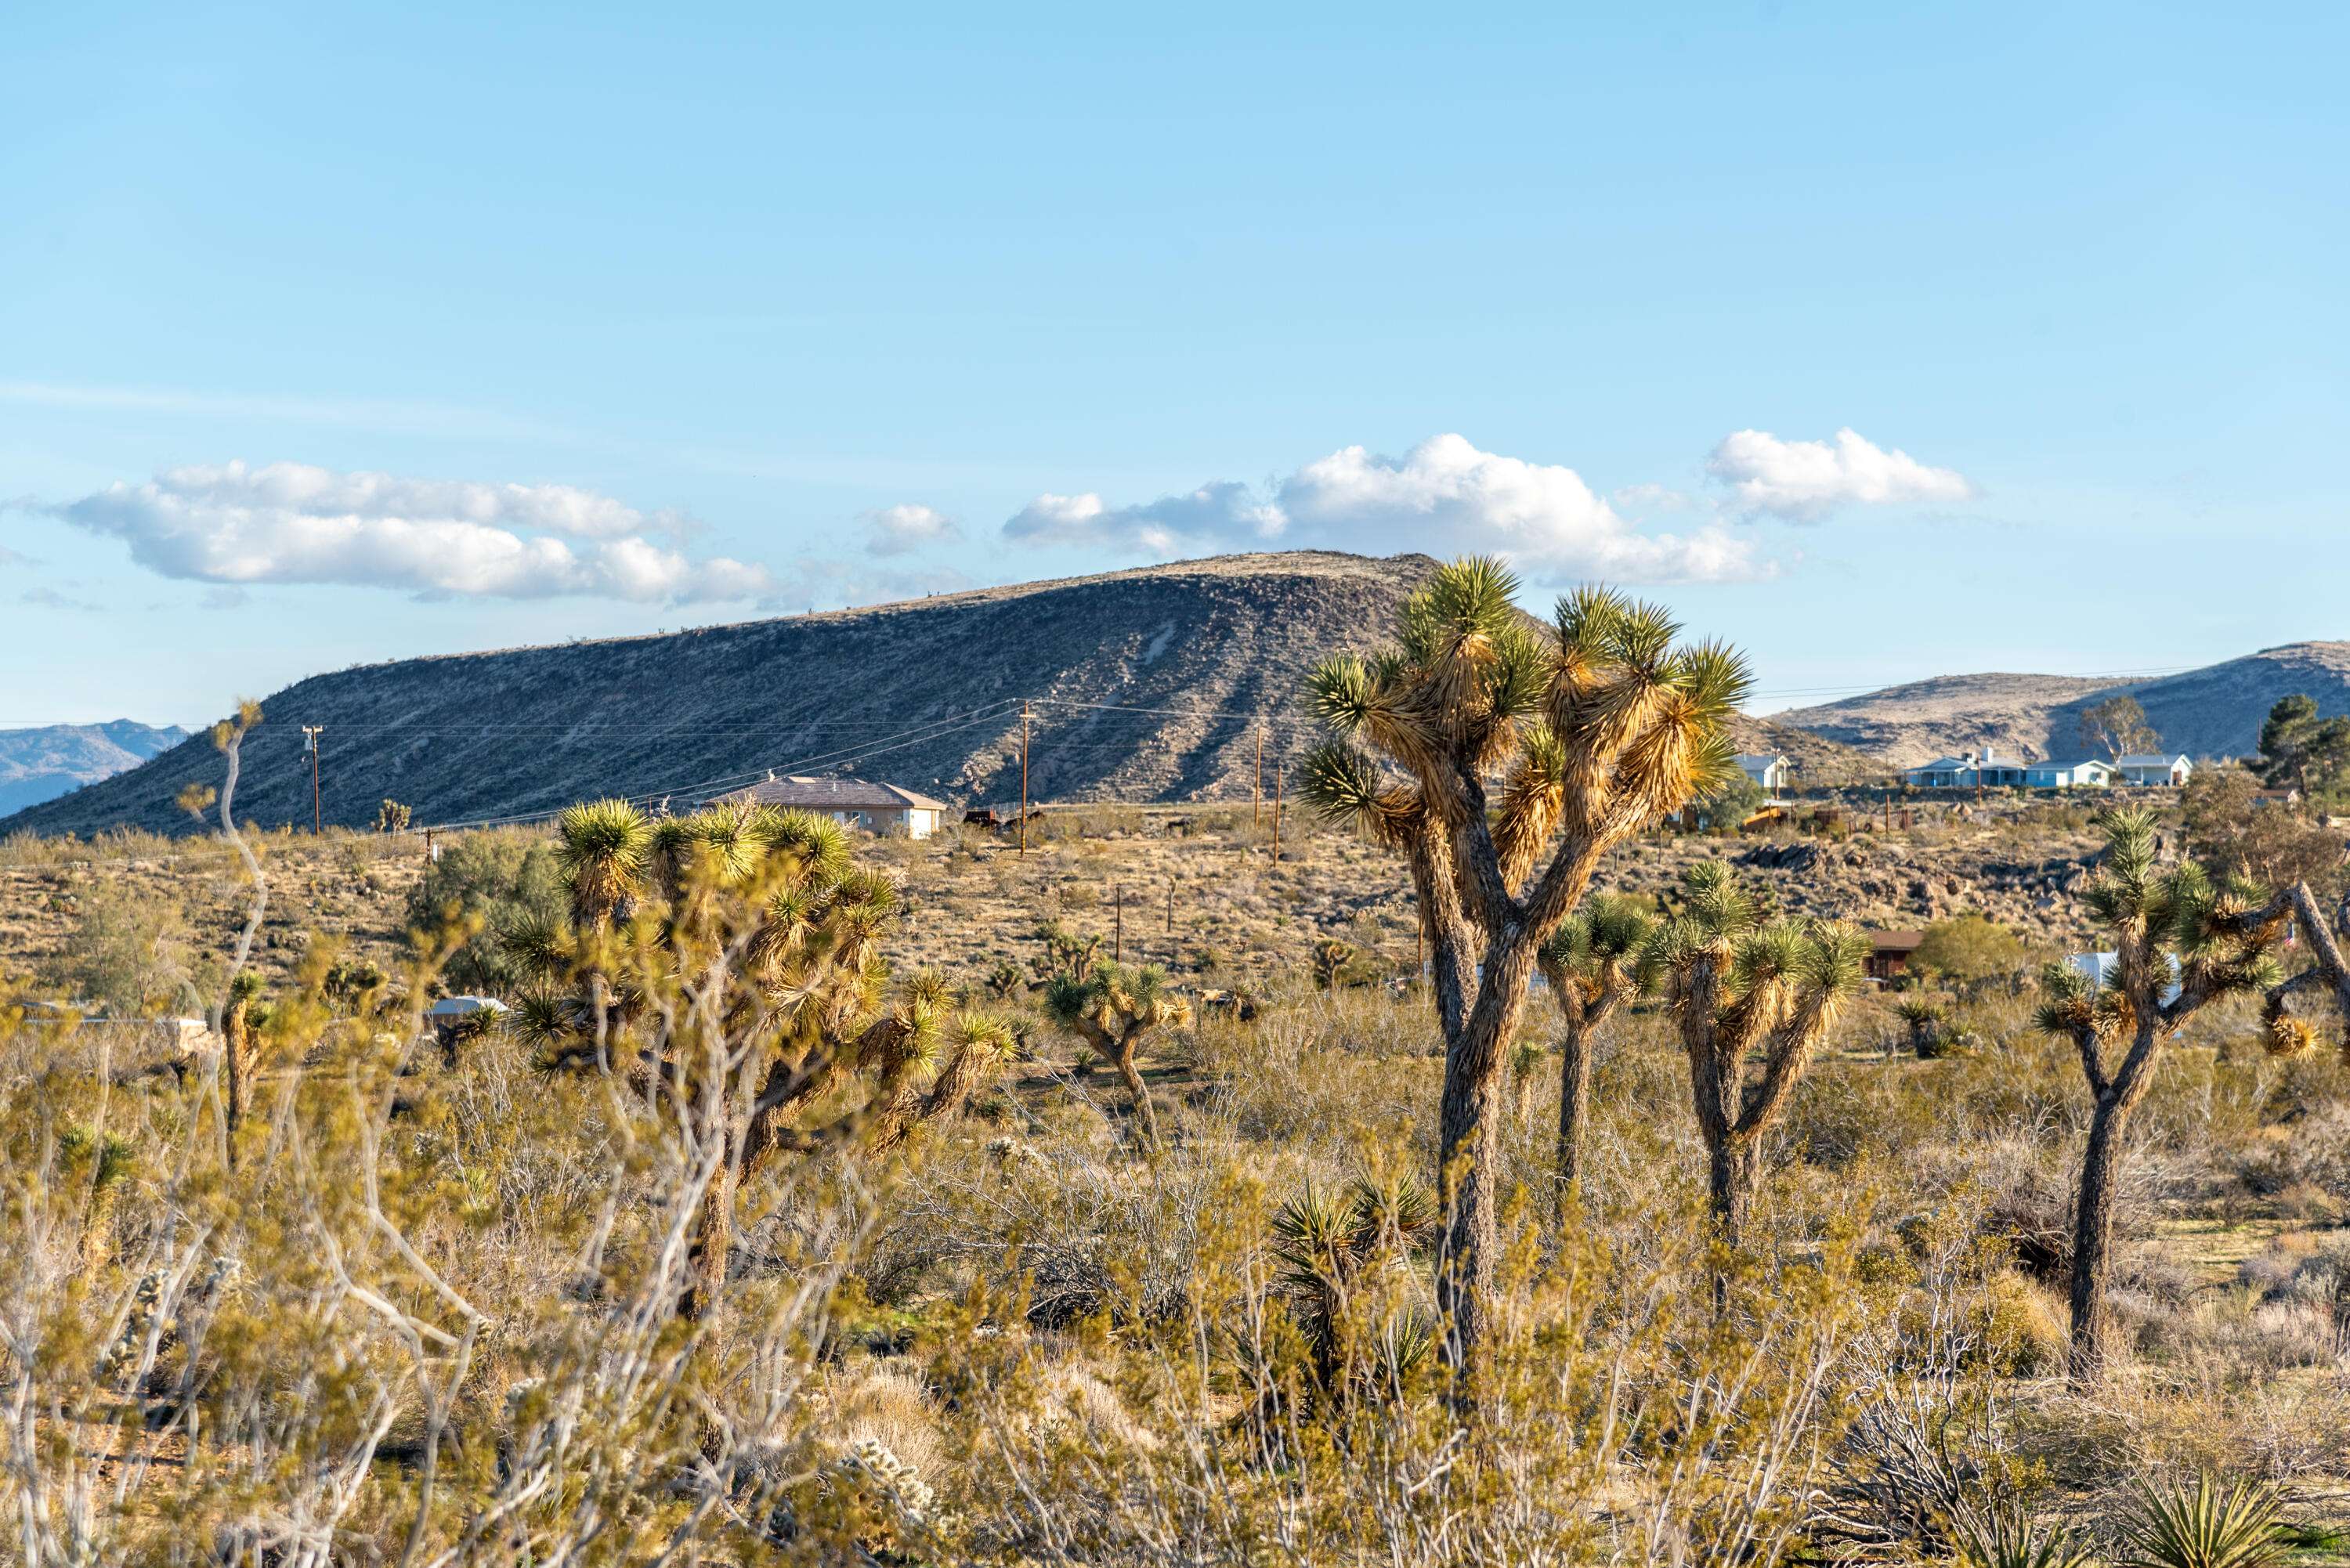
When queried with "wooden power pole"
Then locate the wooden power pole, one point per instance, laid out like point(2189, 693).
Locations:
point(1024, 775)
point(1256, 800)
point(1118, 930)
point(317, 815)
point(1276, 810)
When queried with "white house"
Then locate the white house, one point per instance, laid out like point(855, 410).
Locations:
point(2086, 773)
point(2144, 768)
point(1985, 769)
point(2100, 968)
point(1769, 770)
point(875, 808)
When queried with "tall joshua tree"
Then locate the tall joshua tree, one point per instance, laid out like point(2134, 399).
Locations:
point(735, 956)
point(2169, 926)
point(1589, 964)
point(1741, 986)
point(1593, 726)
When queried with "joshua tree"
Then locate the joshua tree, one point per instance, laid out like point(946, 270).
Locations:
point(1331, 957)
point(1596, 726)
point(733, 956)
point(2170, 928)
point(1112, 1008)
point(1589, 964)
point(392, 817)
point(1738, 985)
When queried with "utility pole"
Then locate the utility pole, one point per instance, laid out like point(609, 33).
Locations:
point(1256, 800)
point(1118, 930)
point(1024, 775)
point(317, 816)
point(1170, 905)
point(1276, 810)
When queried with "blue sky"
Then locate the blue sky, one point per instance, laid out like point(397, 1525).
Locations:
point(646, 317)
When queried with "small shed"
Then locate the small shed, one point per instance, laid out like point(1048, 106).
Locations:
point(1889, 953)
point(1769, 770)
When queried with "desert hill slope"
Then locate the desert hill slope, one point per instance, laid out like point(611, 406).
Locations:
point(1179, 661)
point(42, 764)
point(2214, 711)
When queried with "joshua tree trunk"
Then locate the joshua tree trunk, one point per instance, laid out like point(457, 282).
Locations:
point(2093, 1237)
point(1573, 1106)
point(233, 1030)
point(713, 1224)
point(1124, 1054)
point(1469, 1146)
point(1732, 1165)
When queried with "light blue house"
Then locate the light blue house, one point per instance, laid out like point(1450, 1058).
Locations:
point(1985, 769)
point(2086, 773)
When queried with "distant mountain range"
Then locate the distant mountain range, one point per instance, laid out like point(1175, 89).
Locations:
point(41, 764)
point(1144, 685)
point(1147, 685)
point(2214, 711)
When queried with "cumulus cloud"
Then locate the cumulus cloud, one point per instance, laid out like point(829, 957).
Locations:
point(290, 523)
point(1445, 496)
point(1214, 516)
point(903, 529)
point(1806, 479)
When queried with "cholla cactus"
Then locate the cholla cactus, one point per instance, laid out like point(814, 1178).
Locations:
point(1113, 1009)
point(1738, 985)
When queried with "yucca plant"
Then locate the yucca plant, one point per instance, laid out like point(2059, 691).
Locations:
point(1922, 1016)
point(2180, 942)
point(1593, 726)
point(733, 958)
point(1113, 1008)
point(1329, 1249)
point(1739, 986)
point(1590, 965)
point(2207, 1525)
point(2010, 1538)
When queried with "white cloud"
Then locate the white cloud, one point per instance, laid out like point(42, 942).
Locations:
point(1808, 479)
point(289, 522)
point(1651, 498)
point(1445, 496)
point(1214, 516)
point(903, 529)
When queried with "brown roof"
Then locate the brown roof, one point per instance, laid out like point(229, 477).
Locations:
point(836, 795)
point(1897, 942)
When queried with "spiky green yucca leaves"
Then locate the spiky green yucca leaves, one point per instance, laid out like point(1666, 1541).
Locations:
point(1113, 1008)
point(602, 845)
point(1740, 987)
point(2207, 1525)
point(2009, 1539)
point(1331, 1251)
point(758, 926)
point(1596, 723)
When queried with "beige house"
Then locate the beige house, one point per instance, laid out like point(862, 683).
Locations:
point(875, 807)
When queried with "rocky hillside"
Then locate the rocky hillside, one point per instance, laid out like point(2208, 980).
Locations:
point(2214, 711)
point(41, 764)
point(1145, 685)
